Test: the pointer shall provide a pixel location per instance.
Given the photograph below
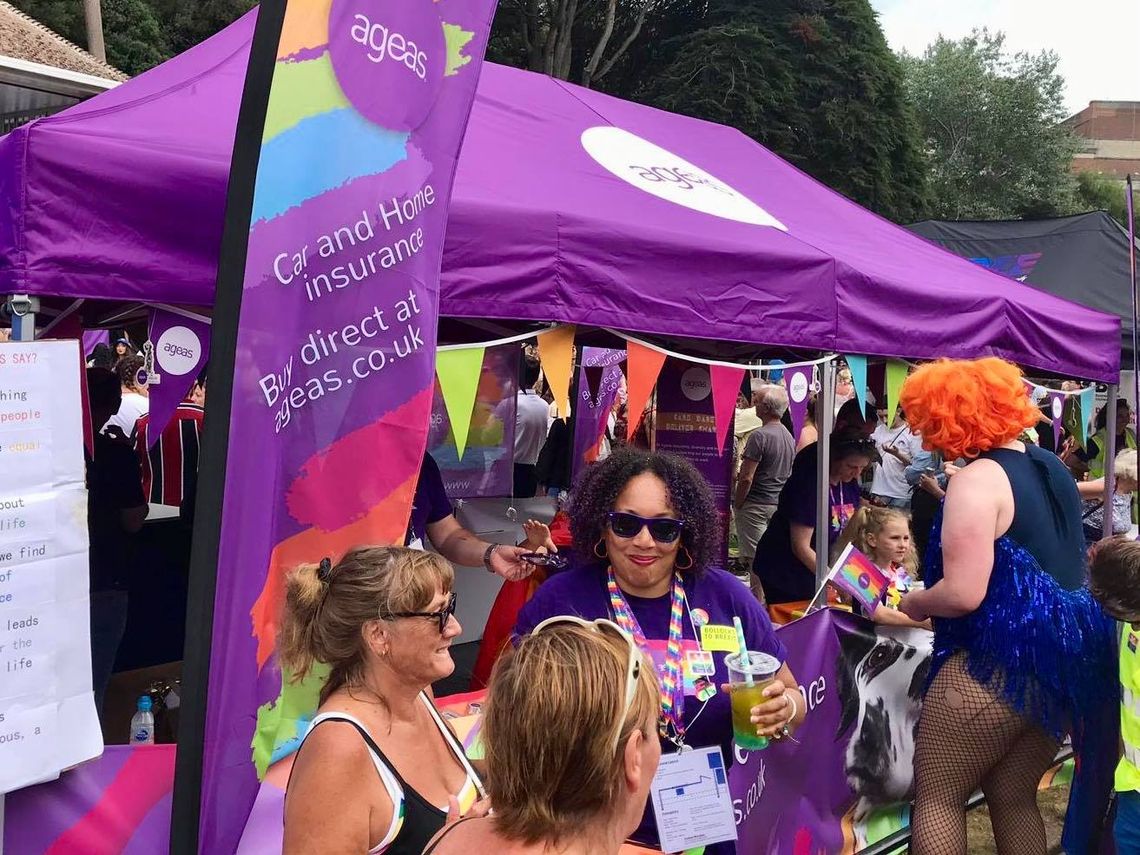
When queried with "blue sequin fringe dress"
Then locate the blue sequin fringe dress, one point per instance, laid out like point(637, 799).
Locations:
point(1051, 655)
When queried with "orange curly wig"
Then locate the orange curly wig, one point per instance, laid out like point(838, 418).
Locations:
point(963, 407)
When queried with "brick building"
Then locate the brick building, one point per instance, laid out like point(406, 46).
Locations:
point(1110, 134)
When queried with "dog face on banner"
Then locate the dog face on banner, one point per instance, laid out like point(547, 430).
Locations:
point(881, 675)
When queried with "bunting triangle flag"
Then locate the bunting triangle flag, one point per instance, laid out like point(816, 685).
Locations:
point(642, 366)
point(858, 368)
point(1088, 402)
point(556, 350)
point(896, 374)
point(726, 384)
point(458, 372)
point(593, 381)
point(1056, 412)
point(798, 380)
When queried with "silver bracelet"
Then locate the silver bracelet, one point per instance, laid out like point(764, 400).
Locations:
point(795, 707)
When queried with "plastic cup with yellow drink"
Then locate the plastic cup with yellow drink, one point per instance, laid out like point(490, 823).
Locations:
point(748, 676)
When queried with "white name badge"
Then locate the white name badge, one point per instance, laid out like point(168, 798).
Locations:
point(691, 800)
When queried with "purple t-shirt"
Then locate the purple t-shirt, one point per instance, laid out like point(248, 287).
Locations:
point(430, 504)
point(783, 575)
point(714, 598)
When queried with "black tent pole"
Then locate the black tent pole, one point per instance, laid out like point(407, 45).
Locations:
point(187, 805)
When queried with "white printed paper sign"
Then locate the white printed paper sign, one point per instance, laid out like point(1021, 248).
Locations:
point(47, 711)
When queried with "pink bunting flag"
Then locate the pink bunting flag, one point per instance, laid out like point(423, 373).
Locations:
point(798, 381)
point(726, 384)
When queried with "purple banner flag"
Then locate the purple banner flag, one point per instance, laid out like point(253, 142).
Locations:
point(592, 408)
point(849, 780)
point(798, 380)
point(179, 347)
point(325, 335)
point(686, 426)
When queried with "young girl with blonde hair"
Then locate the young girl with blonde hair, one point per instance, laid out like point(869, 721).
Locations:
point(883, 535)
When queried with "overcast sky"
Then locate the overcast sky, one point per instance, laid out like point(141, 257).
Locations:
point(1098, 41)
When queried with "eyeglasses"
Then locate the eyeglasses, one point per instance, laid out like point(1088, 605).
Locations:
point(545, 559)
point(661, 529)
point(633, 663)
point(443, 615)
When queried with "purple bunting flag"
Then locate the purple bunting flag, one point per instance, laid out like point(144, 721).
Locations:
point(180, 346)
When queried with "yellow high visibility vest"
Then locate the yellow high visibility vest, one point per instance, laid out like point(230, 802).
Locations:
point(1128, 771)
point(1096, 465)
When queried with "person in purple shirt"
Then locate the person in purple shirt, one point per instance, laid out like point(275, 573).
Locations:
point(645, 526)
point(433, 519)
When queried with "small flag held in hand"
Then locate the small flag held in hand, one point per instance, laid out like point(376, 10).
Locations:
point(856, 574)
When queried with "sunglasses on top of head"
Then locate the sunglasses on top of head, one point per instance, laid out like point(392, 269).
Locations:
point(633, 660)
point(443, 615)
point(661, 529)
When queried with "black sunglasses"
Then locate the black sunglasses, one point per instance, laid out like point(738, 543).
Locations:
point(443, 615)
point(661, 529)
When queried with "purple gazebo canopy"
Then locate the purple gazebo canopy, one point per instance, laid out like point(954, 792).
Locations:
point(569, 206)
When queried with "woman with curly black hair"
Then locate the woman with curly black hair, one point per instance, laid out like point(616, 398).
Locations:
point(644, 525)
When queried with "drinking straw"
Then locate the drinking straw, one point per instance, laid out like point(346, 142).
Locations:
point(745, 662)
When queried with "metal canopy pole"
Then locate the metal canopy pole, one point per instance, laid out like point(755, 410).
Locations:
point(22, 309)
point(824, 421)
point(1109, 458)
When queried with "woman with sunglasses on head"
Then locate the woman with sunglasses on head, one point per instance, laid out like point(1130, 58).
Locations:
point(378, 770)
point(579, 786)
point(646, 526)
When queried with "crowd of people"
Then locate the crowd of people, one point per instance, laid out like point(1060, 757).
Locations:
point(130, 474)
point(985, 537)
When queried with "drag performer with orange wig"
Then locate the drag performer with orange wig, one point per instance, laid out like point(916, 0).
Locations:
point(1022, 653)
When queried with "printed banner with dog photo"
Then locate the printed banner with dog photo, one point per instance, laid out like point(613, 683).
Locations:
point(848, 782)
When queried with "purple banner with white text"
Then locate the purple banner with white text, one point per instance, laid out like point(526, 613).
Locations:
point(686, 426)
point(334, 362)
point(179, 346)
point(848, 781)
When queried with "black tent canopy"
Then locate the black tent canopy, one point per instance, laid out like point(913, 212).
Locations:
point(1083, 258)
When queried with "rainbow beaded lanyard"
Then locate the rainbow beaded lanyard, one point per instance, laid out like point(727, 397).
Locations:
point(672, 709)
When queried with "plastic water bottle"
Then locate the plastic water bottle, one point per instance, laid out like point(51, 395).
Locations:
point(142, 724)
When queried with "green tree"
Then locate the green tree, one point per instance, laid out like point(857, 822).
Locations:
point(135, 40)
point(991, 125)
point(579, 40)
point(1099, 192)
point(194, 21)
point(814, 81)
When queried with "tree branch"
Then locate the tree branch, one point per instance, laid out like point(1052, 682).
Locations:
point(620, 52)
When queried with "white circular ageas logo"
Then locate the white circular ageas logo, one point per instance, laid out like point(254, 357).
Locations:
point(178, 350)
point(798, 388)
point(1058, 407)
point(695, 384)
point(668, 176)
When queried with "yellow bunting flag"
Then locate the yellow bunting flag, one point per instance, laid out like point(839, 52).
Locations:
point(458, 372)
point(896, 374)
point(556, 350)
point(642, 366)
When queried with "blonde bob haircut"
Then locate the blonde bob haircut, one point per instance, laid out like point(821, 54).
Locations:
point(552, 707)
point(323, 617)
point(963, 407)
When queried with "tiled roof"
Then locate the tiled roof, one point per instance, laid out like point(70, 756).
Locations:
point(23, 37)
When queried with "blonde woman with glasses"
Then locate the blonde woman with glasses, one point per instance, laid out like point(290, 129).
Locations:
point(379, 770)
point(570, 755)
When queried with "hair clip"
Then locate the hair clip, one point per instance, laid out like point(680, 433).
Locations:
point(325, 570)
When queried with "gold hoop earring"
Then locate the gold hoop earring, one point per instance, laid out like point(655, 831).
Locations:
point(688, 555)
point(600, 549)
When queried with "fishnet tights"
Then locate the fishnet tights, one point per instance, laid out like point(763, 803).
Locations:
point(969, 738)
